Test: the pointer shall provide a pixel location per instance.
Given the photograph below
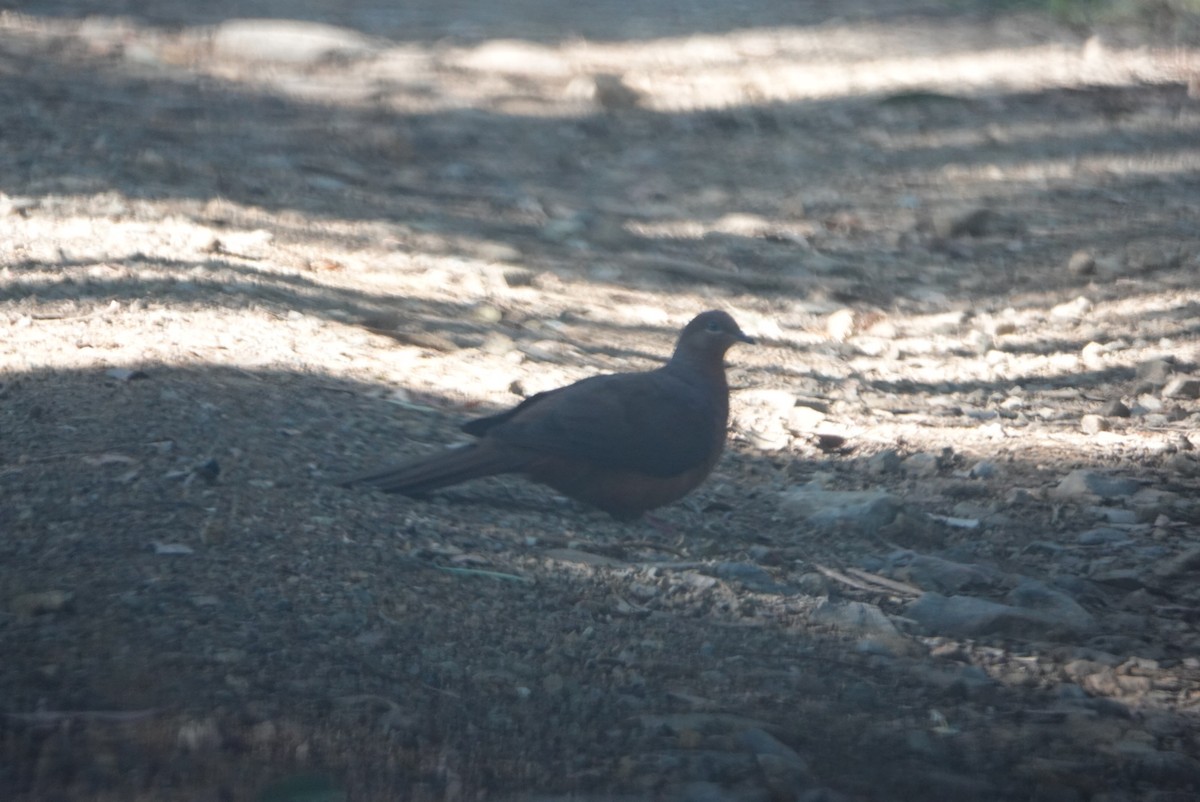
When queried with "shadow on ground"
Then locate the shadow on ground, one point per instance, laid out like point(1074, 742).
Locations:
point(222, 633)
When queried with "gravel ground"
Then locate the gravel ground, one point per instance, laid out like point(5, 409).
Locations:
point(951, 552)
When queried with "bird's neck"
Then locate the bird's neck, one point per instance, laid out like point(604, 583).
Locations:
point(701, 369)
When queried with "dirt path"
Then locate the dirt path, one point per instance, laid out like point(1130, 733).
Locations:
point(952, 551)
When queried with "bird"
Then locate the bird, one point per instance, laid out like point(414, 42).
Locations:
point(624, 443)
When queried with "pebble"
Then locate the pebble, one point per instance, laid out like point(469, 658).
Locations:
point(612, 94)
point(1103, 536)
point(198, 735)
point(47, 601)
point(868, 510)
point(802, 419)
point(562, 229)
point(1115, 409)
point(1115, 515)
point(1020, 496)
point(285, 41)
point(887, 461)
point(762, 414)
point(1187, 562)
point(935, 573)
point(125, 374)
point(1094, 424)
point(1147, 404)
point(942, 323)
point(1121, 578)
point(1181, 464)
point(1081, 263)
point(784, 771)
point(515, 57)
point(984, 469)
point(1154, 371)
point(968, 616)
point(245, 244)
point(840, 325)
point(170, 548)
point(1161, 767)
point(974, 222)
point(921, 465)
point(749, 575)
point(1182, 387)
point(1092, 355)
point(812, 584)
point(1082, 483)
point(1058, 606)
point(1071, 310)
point(860, 619)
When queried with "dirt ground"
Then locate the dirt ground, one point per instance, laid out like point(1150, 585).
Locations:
point(951, 552)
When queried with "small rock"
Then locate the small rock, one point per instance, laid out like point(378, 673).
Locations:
point(749, 575)
point(1115, 409)
point(518, 276)
point(828, 441)
point(1057, 606)
point(982, 470)
point(612, 94)
point(246, 244)
point(561, 229)
point(1154, 371)
point(967, 616)
point(812, 584)
point(784, 771)
point(198, 735)
point(884, 462)
point(762, 414)
point(514, 57)
point(1019, 496)
point(1071, 310)
point(1093, 424)
point(1115, 515)
point(1082, 483)
point(867, 510)
point(1103, 536)
point(920, 465)
point(977, 222)
point(1182, 387)
point(1081, 263)
point(859, 619)
point(47, 601)
point(1187, 562)
point(1092, 355)
point(934, 573)
point(1181, 464)
point(125, 374)
point(1122, 578)
point(802, 419)
point(171, 548)
point(208, 471)
point(840, 325)
point(1160, 767)
point(285, 41)
point(1147, 404)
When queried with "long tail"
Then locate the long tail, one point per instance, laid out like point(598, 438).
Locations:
point(440, 470)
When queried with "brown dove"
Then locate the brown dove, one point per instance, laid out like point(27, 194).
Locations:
point(624, 442)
